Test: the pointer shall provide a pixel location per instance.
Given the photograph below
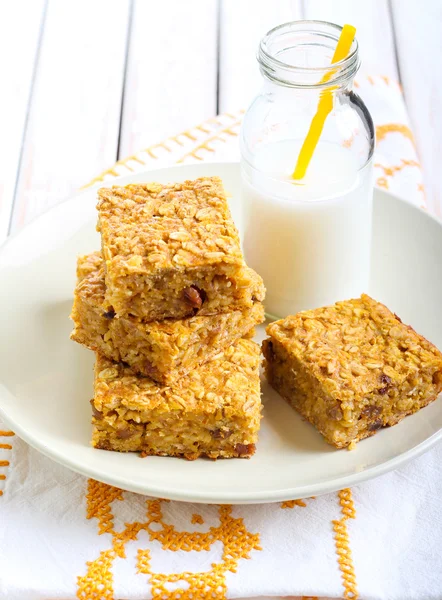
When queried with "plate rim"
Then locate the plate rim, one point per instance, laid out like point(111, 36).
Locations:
point(256, 497)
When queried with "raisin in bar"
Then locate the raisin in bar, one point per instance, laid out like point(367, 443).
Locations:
point(172, 251)
point(352, 368)
point(163, 350)
point(214, 411)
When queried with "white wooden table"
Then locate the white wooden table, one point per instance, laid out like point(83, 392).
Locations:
point(86, 82)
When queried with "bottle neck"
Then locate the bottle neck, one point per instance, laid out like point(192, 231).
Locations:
point(298, 56)
point(272, 86)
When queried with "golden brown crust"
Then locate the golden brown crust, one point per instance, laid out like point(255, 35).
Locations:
point(163, 350)
point(171, 250)
point(151, 227)
point(230, 453)
point(224, 385)
point(352, 368)
point(90, 264)
point(214, 411)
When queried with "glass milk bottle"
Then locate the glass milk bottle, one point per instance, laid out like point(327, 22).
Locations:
point(310, 238)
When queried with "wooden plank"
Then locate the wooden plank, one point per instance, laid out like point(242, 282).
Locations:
point(172, 70)
point(242, 25)
point(19, 40)
point(74, 116)
point(419, 46)
point(374, 30)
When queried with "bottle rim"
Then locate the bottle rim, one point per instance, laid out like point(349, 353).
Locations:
point(322, 34)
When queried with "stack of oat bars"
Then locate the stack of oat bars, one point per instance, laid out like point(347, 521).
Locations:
point(169, 306)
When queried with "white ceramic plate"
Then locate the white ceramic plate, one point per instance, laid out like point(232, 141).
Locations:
point(46, 380)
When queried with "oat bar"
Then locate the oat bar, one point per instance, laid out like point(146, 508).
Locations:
point(352, 368)
point(173, 251)
point(163, 350)
point(214, 411)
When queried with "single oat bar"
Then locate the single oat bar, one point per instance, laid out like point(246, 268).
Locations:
point(352, 368)
point(173, 251)
point(214, 411)
point(163, 350)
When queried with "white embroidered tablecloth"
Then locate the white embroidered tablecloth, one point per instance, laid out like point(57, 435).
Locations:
point(63, 536)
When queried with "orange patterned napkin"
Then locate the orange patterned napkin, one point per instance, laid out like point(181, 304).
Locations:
point(63, 536)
